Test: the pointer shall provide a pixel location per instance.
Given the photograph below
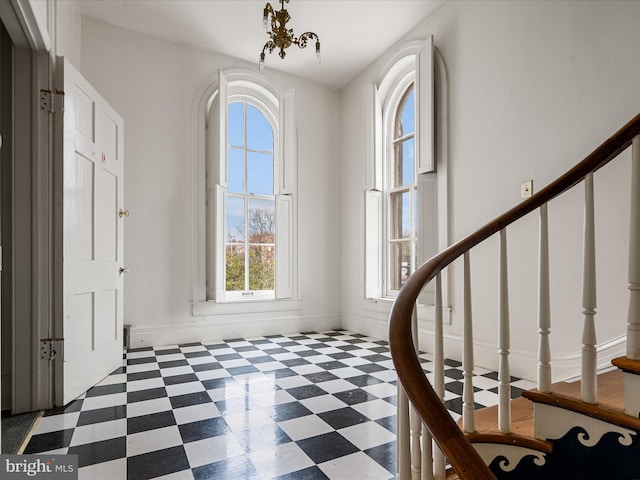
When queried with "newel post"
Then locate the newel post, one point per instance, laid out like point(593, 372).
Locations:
point(633, 319)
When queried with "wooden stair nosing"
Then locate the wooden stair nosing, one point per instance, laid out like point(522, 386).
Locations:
point(510, 439)
point(627, 365)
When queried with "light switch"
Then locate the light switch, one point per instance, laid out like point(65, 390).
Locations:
point(526, 188)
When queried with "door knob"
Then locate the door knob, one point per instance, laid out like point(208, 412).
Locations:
point(123, 213)
point(123, 270)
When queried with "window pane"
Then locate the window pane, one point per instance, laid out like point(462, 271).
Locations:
point(404, 153)
point(234, 219)
point(400, 215)
point(259, 173)
point(399, 264)
point(259, 131)
point(235, 268)
point(407, 117)
point(262, 221)
point(262, 267)
point(236, 170)
point(235, 124)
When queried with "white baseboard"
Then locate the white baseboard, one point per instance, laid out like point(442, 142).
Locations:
point(203, 331)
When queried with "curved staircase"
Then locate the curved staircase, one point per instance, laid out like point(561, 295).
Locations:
point(587, 429)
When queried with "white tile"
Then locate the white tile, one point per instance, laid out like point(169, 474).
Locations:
point(252, 354)
point(306, 369)
point(280, 460)
point(55, 423)
point(381, 390)
point(323, 403)
point(388, 364)
point(276, 397)
point(96, 432)
point(241, 421)
point(334, 386)
point(328, 350)
point(305, 427)
point(484, 382)
point(481, 371)
point(367, 435)
point(170, 372)
point(137, 385)
point(200, 360)
point(450, 395)
point(158, 439)
point(293, 381)
point(354, 361)
point(357, 465)
point(113, 379)
point(228, 393)
point(221, 351)
point(143, 367)
point(193, 348)
point(210, 450)
point(184, 388)
point(147, 407)
point(181, 475)
point(347, 372)
point(455, 416)
point(269, 366)
point(101, 401)
point(486, 398)
point(297, 348)
point(375, 409)
point(195, 413)
point(524, 384)
point(240, 343)
point(143, 354)
point(113, 469)
point(385, 375)
point(284, 356)
point(238, 362)
point(320, 358)
point(211, 374)
point(169, 357)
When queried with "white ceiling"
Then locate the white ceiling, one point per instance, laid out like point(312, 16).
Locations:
point(353, 33)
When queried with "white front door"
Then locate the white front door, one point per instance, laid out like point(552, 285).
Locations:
point(93, 237)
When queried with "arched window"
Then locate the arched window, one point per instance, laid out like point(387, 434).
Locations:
point(405, 198)
point(250, 170)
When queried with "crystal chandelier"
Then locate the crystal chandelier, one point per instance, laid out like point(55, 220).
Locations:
point(280, 36)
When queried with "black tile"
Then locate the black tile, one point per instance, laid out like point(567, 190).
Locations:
point(211, 427)
point(340, 356)
point(316, 346)
point(168, 351)
point(260, 359)
point(260, 437)
point(188, 399)
point(329, 446)
point(454, 373)
point(242, 370)
point(455, 405)
point(141, 349)
point(381, 349)
point(282, 372)
point(348, 348)
point(275, 351)
point(227, 356)
point(352, 397)
point(102, 415)
point(202, 367)
point(119, 371)
point(306, 391)
point(260, 341)
point(148, 394)
point(49, 441)
point(216, 346)
point(363, 380)
point(185, 378)
point(370, 367)
point(156, 464)
point(319, 377)
point(237, 467)
point(454, 387)
point(452, 363)
point(385, 455)
point(390, 423)
point(224, 382)
point(343, 417)
point(234, 340)
point(132, 377)
point(307, 353)
point(173, 363)
point(106, 389)
point(197, 354)
point(98, 452)
point(311, 473)
point(393, 399)
point(150, 422)
point(74, 406)
point(140, 361)
point(355, 340)
point(332, 365)
point(192, 344)
point(287, 411)
point(295, 362)
point(376, 358)
point(291, 344)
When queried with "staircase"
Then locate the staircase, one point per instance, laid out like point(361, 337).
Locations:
point(586, 429)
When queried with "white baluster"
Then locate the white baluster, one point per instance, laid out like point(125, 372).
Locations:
point(589, 354)
point(403, 446)
point(468, 416)
point(427, 455)
point(439, 465)
point(415, 421)
point(544, 307)
point(504, 385)
point(633, 319)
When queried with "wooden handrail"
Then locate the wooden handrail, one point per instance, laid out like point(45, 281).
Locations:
point(463, 457)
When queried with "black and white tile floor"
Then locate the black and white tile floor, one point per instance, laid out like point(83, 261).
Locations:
point(302, 406)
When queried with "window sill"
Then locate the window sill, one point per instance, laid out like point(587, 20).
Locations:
point(425, 312)
point(246, 306)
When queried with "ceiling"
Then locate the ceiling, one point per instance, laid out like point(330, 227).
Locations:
point(353, 33)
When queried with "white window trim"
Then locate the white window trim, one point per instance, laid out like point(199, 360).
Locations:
point(399, 67)
point(261, 90)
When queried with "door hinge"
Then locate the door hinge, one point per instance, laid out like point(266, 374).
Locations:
point(51, 102)
point(50, 348)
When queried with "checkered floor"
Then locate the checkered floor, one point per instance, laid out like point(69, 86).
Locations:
point(302, 406)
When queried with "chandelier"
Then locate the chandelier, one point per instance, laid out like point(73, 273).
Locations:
point(281, 36)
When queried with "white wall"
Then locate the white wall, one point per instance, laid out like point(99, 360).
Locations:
point(154, 84)
point(534, 87)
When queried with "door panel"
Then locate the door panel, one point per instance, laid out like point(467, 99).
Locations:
point(92, 237)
